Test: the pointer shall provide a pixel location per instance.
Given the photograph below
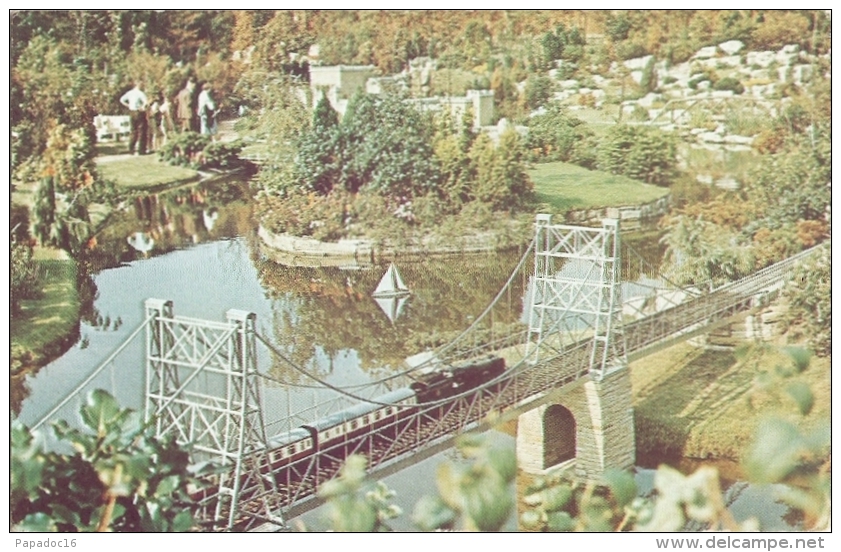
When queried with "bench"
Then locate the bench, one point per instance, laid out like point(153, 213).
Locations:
point(111, 126)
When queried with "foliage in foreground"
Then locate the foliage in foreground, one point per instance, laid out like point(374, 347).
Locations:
point(810, 300)
point(119, 477)
point(477, 497)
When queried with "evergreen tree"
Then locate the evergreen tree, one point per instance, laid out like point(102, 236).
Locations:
point(44, 216)
point(317, 162)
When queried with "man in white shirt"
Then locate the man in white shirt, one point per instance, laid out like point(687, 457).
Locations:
point(207, 112)
point(136, 101)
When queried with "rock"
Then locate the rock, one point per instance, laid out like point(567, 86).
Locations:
point(637, 63)
point(649, 99)
point(790, 49)
point(711, 137)
point(762, 59)
point(737, 139)
point(729, 61)
point(705, 53)
point(569, 84)
point(801, 73)
point(786, 59)
point(731, 47)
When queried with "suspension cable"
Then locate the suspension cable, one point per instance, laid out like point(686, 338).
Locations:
point(493, 303)
point(342, 391)
point(657, 271)
point(93, 374)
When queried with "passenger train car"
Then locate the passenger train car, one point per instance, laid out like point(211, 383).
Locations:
point(345, 426)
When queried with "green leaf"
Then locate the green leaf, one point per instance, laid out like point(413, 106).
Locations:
point(38, 522)
point(557, 497)
point(802, 395)
point(775, 452)
point(622, 485)
point(800, 357)
point(167, 486)
point(431, 513)
point(63, 514)
point(447, 480)
point(183, 521)
point(530, 519)
point(560, 522)
point(99, 411)
point(353, 516)
point(504, 462)
point(487, 502)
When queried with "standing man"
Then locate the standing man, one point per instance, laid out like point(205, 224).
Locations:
point(186, 107)
point(136, 101)
point(207, 112)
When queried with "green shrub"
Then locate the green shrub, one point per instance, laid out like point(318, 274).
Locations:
point(558, 136)
point(697, 79)
point(729, 83)
point(23, 275)
point(184, 149)
point(222, 155)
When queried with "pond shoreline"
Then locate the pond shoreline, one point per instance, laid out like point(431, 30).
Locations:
point(62, 341)
point(291, 250)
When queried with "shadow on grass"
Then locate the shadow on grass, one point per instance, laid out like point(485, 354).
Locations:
point(665, 417)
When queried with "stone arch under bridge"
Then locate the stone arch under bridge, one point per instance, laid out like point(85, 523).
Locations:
point(589, 421)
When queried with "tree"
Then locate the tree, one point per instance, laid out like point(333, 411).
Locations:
point(643, 153)
point(317, 161)
point(703, 254)
point(501, 180)
point(558, 136)
point(795, 182)
point(287, 32)
point(243, 32)
point(119, 477)
point(810, 301)
point(538, 91)
point(386, 147)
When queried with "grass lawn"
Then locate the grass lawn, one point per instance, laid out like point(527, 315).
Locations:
point(697, 403)
point(144, 172)
point(47, 324)
point(563, 187)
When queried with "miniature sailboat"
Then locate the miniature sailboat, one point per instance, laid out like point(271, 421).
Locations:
point(391, 293)
point(391, 284)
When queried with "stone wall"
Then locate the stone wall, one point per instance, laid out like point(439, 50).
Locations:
point(303, 251)
point(631, 216)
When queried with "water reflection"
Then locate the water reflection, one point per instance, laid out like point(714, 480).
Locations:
point(328, 310)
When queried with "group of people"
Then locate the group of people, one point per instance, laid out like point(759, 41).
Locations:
point(152, 121)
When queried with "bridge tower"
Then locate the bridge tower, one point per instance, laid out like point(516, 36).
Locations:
point(201, 387)
point(576, 294)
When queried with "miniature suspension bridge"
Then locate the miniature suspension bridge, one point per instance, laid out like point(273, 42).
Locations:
point(203, 383)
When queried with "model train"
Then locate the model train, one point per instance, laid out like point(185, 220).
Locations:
point(343, 427)
point(289, 453)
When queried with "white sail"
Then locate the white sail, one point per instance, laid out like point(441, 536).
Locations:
point(391, 284)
